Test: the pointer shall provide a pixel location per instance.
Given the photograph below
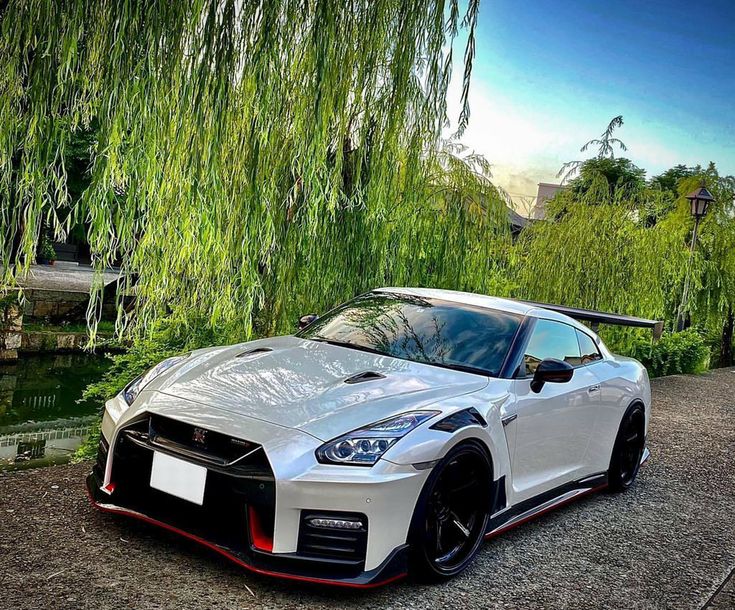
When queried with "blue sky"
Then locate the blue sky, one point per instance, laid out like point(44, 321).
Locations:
point(550, 75)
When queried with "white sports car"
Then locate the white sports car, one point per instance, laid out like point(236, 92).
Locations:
point(394, 433)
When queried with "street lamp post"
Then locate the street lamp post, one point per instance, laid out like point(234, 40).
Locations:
point(699, 200)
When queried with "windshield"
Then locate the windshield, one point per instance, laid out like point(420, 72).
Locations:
point(432, 331)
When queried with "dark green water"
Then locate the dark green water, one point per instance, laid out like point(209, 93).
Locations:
point(41, 420)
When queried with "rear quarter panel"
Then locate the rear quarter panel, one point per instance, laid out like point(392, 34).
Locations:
point(623, 381)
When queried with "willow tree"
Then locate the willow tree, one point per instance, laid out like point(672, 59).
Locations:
point(600, 253)
point(247, 155)
point(605, 144)
point(713, 270)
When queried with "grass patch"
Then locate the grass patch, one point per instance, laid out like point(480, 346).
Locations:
point(104, 327)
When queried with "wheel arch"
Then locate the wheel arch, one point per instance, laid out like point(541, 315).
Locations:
point(483, 446)
point(420, 506)
point(621, 475)
point(637, 401)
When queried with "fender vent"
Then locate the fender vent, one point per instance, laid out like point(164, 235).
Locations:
point(460, 419)
point(366, 376)
point(252, 352)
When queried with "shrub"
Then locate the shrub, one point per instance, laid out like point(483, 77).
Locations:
point(46, 249)
point(674, 353)
point(168, 338)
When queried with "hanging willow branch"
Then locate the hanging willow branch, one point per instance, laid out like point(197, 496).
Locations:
point(247, 157)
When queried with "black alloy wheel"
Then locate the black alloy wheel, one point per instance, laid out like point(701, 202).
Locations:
point(452, 514)
point(628, 450)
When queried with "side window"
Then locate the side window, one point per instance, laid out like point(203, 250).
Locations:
point(588, 348)
point(551, 340)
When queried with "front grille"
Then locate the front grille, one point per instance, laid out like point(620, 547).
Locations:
point(218, 452)
point(239, 476)
point(332, 543)
point(219, 447)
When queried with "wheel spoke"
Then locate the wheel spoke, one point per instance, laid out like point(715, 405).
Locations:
point(438, 538)
point(462, 487)
point(460, 526)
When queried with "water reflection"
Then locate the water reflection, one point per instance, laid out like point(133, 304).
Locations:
point(41, 420)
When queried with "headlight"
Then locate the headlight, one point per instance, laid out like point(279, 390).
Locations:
point(365, 446)
point(131, 391)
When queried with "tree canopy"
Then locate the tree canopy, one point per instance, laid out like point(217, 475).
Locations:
point(249, 162)
point(241, 152)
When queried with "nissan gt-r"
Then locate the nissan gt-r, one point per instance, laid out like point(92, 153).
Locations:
point(390, 435)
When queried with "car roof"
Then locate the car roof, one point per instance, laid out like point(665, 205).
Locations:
point(468, 298)
point(481, 300)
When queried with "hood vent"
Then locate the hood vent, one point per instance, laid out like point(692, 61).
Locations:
point(366, 376)
point(253, 352)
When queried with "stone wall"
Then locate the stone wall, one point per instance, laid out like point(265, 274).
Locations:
point(43, 304)
point(52, 341)
point(11, 327)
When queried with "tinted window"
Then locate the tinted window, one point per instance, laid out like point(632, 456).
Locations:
point(443, 333)
point(551, 340)
point(588, 348)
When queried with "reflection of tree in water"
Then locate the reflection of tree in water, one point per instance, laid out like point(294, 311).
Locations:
point(384, 325)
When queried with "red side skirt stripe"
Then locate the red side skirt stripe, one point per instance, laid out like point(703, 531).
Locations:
point(543, 512)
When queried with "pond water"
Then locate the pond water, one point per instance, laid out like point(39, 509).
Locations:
point(42, 420)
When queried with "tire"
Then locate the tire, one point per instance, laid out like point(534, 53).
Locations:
point(628, 449)
point(452, 514)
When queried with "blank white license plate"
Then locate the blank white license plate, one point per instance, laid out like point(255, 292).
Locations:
point(178, 478)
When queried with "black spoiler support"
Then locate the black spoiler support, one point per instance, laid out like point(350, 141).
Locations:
point(595, 318)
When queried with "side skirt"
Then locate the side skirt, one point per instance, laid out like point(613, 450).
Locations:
point(543, 503)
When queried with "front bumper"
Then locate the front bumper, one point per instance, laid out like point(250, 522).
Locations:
point(238, 518)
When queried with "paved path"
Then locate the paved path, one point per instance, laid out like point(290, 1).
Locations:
point(667, 543)
point(62, 276)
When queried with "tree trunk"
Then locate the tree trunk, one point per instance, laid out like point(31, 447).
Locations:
point(726, 344)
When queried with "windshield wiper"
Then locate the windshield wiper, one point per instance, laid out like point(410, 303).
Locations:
point(463, 368)
point(347, 344)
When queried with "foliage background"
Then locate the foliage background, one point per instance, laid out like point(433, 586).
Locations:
point(246, 163)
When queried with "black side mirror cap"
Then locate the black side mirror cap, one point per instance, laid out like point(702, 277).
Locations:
point(304, 321)
point(551, 370)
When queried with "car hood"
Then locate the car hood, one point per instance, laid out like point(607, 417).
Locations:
point(300, 384)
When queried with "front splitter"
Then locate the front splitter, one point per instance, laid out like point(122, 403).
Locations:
point(394, 568)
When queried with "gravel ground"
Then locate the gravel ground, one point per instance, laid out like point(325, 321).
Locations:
point(667, 543)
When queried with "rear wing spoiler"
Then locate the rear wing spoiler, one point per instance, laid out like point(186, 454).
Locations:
point(595, 318)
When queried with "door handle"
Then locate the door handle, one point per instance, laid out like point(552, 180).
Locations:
point(594, 388)
point(509, 418)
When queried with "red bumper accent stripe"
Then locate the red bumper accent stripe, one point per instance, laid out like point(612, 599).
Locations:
point(261, 541)
point(237, 560)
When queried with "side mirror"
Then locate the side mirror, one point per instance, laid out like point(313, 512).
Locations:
point(304, 321)
point(551, 370)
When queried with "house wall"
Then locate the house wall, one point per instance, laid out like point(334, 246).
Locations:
point(546, 191)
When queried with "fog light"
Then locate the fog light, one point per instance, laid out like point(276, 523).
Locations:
point(342, 524)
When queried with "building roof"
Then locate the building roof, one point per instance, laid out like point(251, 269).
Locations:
point(517, 222)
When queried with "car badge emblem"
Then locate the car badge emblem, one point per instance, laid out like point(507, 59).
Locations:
point(199, 436)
